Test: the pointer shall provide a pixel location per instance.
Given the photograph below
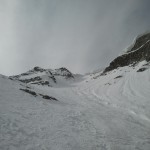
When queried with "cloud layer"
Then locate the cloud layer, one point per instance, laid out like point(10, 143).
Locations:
point(81, 35)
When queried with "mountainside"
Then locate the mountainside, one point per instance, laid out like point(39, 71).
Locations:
point(105, 110)
point(138, 52)
point(48, 77)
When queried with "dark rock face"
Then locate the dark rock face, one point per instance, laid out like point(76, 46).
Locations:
point(31, 79)
point(42, 83)
point(29, 91)
point(63, 72)
point(139, 52)
point(140, 41)
point(51, 76)
point(118, 77)
point(48, 97)
point(38, 69)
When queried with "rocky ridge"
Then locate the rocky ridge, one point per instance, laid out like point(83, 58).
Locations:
point(139, 51)
point(40, 76)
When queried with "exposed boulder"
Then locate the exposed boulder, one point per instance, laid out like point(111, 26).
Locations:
point(141, 69)
point(118, 77)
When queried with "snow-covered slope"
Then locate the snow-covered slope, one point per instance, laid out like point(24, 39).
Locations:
point(110, 112)
point(98, 111)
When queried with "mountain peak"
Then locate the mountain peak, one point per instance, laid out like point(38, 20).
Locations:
point(63, 72)
point(38, 69)
point(139, 41)
point(48, 77)
point(63, 69)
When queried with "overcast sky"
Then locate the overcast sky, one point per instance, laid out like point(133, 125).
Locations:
point(82, 35)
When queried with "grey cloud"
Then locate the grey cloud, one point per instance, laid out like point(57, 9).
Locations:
point(82, 35)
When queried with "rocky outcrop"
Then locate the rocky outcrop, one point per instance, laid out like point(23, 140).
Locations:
point(139, 52)
point(38, 69)
point(31, 79)
point(63, 72)
point(140, 41)
point(141, 69)
point(38, 94)
point(29, 91)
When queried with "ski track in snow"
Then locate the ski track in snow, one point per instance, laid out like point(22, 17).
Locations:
point(102, 114)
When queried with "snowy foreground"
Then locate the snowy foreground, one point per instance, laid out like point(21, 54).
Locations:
point(110, 112)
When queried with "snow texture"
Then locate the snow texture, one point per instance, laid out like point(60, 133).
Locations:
point(110, 112)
